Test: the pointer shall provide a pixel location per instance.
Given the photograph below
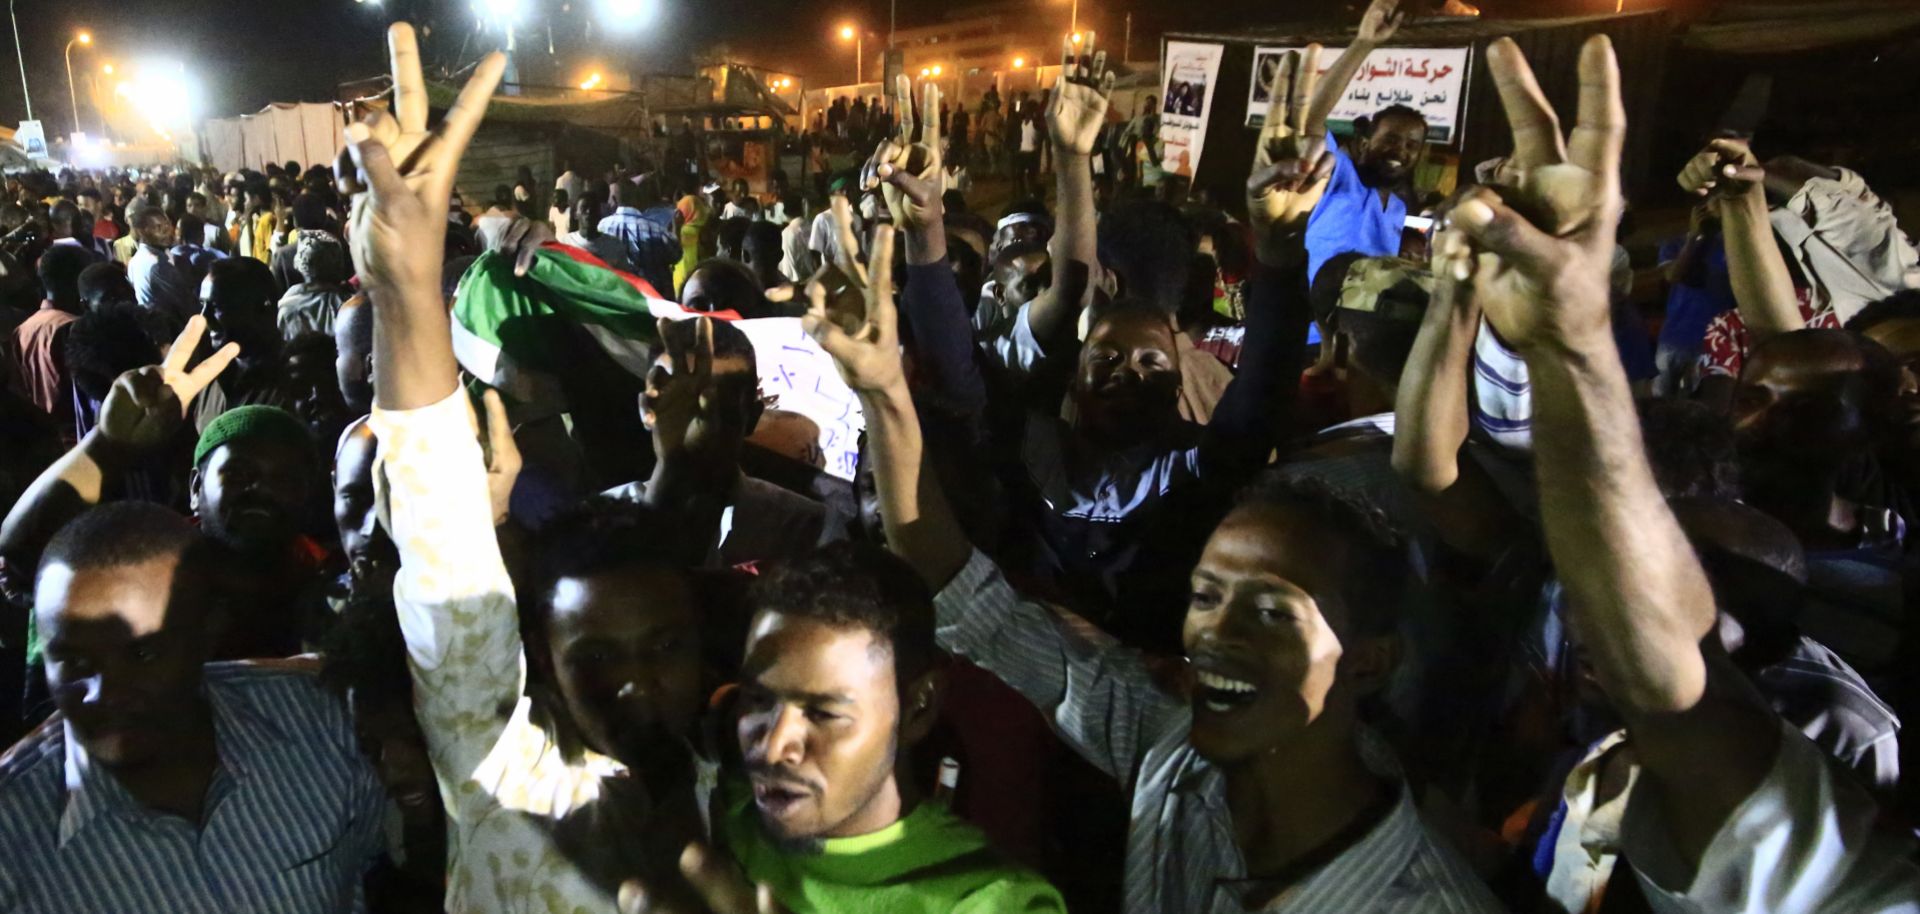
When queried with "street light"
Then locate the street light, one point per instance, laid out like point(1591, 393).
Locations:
point(936, 69)
point(847, 33)
point(1019, 62)
point(72, 98)
point(1077, 38)
point(108, 69)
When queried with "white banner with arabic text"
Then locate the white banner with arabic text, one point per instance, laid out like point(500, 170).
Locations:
point(1432, 81)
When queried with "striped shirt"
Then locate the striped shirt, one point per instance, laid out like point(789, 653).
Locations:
point(1181, 854)
point(1502, 392)
point(291, 820)
point(649, 245)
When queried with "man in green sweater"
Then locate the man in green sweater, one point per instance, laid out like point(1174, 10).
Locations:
point(841, 677)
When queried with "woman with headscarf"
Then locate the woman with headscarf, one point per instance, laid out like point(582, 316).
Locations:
point(690, 219)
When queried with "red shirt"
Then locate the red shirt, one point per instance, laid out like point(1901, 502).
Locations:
point(39, 349)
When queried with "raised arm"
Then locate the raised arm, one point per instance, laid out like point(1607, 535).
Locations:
point(1290, 170)
point(454, 597)
point(1099, 697)
point(1731, 178)
point(912, 178)
point(1640, 600)
point(1431, 407)
point(146, 409)
point(1382, 19)
point(1075, 112)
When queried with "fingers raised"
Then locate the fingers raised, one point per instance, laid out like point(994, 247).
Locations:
point(880, 307)
point(181, 352)
point(370, 156)
point(930, 119)
point(1536, 130)
point(409, 88)
point(1602, 125)
point(1498, 229)
point(190, 385)
point(903, 110)
point(848, 255)
point(1306, 75)
point(462, 120)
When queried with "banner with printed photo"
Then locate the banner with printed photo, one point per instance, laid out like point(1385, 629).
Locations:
point(1432, 81)
point(1187, 89)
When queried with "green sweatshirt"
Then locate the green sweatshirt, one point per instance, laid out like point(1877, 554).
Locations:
point(928, 862)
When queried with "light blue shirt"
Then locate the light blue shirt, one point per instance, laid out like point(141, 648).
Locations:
point(291, 820)
point(1349, 217)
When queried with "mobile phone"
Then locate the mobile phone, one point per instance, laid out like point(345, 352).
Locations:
point(1420, 223)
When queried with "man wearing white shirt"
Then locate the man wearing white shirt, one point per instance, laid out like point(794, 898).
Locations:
point(157, 284)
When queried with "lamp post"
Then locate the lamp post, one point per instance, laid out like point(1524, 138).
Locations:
point(73, 99)
point(21, 55)
point(849, 33)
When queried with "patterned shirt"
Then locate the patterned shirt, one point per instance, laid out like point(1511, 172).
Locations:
point(1181, 854)
point(649, 245)
point(530, 828)
point(292, 817)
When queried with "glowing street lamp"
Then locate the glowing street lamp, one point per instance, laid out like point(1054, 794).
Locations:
point(849, 33)
point(936, 69)
point(1019, 62)
point(108, 69)
point(1077, 38)
point(592, 82)
point(73, 100)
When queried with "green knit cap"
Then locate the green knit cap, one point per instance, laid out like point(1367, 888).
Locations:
point(267, 422)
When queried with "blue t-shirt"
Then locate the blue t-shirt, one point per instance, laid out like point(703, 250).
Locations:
point(1349, 217)
point(1691, 308)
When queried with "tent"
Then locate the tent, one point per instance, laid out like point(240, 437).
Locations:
point(306, 132)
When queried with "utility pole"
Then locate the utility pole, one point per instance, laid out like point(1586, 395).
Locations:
point(22, 56)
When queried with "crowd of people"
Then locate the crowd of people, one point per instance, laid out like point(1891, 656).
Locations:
point(1492, 600)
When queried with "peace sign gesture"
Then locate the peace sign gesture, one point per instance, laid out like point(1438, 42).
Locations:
point(865, 345)
point(147, 404)
point(909, 174)
point(409, 170)
point(1291, 163)
point(1541, 279)
point(1078, 105)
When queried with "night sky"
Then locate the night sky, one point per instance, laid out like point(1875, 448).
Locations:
point(246, 53)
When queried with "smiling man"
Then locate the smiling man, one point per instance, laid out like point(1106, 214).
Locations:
point(841, 678)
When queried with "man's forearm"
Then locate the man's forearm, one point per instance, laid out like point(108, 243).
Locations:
point(1334, 84)
point(1431, 406)
point(65, 488)
point(1641, 601)
point(413, 363)
point(920, 527)
point(1762, 287)
point(1075, 252)
point(927, 244)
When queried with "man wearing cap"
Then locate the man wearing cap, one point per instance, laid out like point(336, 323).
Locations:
point(252, 478)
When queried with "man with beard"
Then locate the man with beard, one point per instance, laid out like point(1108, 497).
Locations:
point(1257, 790)
point(1360, 210)
point(841, 679)
point(1810, 408)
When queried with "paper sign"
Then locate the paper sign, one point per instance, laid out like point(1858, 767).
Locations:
point(1187, 91)
point(796, 370)
point(32, 138)
point(1432, 81)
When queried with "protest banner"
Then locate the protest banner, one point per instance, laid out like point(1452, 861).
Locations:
point(1432, 81)
point(1187, 91)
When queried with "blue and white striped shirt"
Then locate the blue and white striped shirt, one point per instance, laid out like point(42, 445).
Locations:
point(291, 819)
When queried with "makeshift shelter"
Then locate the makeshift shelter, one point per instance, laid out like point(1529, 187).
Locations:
point(310, 133)
point(1472, 124)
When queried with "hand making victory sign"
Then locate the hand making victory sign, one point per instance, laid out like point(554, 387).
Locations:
point(909, 174)
point(1532, 275)
point(147, 404)
point(399, 224)
point(865, 345)
point(1291, 163)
